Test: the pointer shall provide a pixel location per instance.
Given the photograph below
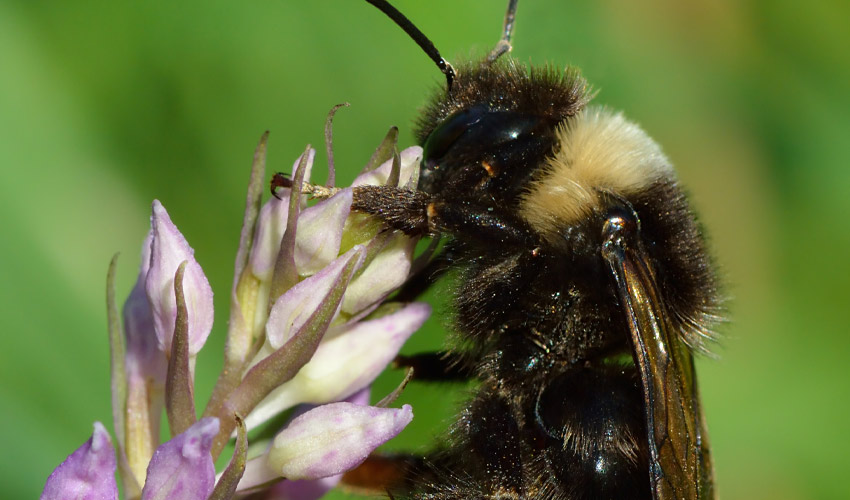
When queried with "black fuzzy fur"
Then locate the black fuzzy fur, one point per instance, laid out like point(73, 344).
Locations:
point(540, 324)
point(508, 86)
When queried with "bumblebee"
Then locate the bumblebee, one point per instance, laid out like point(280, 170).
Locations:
point(583, 289)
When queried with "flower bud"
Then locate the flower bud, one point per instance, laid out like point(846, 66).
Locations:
point(334, 438)
point(346, 361)
point(182, 468)
point(88, 473)
point(168, 249)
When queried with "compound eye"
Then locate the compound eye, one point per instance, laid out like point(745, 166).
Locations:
point(447, 133)
point(467, 131)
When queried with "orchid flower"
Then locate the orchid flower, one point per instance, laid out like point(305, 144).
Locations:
point(309, 327)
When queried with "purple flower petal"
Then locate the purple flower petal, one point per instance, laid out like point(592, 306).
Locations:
point(144, 359)
point(320, 233)
point(350, 360)
point(386, 272)
point(146, 367)
point(303, 489)
point(182, 468)
point(258, 474)
point(272, 224)
point(87, 474)
point(410, 159)
point(294, 308)
point(360, 397)
point(168, 249)
point(334, 438)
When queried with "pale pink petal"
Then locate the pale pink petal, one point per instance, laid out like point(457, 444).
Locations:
point(334, 438)
point(320, 233)
point(387, 271)
point(87, 474)
point(303, 489)
point(146, 367)
point(360, 397)
point(182, 468)
point(349, 361)
point(168, 249)
point(410, 159)
point(144, 360)
point(271, 225)
point(294, 308)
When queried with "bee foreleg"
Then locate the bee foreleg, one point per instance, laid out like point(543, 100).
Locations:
point(417, 213)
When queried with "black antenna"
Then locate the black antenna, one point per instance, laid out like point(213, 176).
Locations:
point(504, 43)
point(418, 37)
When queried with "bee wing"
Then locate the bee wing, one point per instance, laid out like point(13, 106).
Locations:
point(680, 465)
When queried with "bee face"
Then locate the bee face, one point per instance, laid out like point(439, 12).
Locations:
point(495, 126)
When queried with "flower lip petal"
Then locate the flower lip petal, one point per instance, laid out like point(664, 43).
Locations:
point(334, 438)
point(89, 472)
point(182, 468)
point(168, 249)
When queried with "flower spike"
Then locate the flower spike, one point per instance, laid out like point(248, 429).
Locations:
point(308, 326)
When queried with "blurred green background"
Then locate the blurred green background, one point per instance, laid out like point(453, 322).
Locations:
point(105, 106)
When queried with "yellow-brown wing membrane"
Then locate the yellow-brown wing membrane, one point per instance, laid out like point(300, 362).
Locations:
point(680, 465)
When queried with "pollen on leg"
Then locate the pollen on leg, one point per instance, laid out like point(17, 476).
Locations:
point(489, 169)
point(431, 213)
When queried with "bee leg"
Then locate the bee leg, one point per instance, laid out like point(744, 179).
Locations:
point(417, 284)
point(417, 213)
point(435, 366)
point(379, 473)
